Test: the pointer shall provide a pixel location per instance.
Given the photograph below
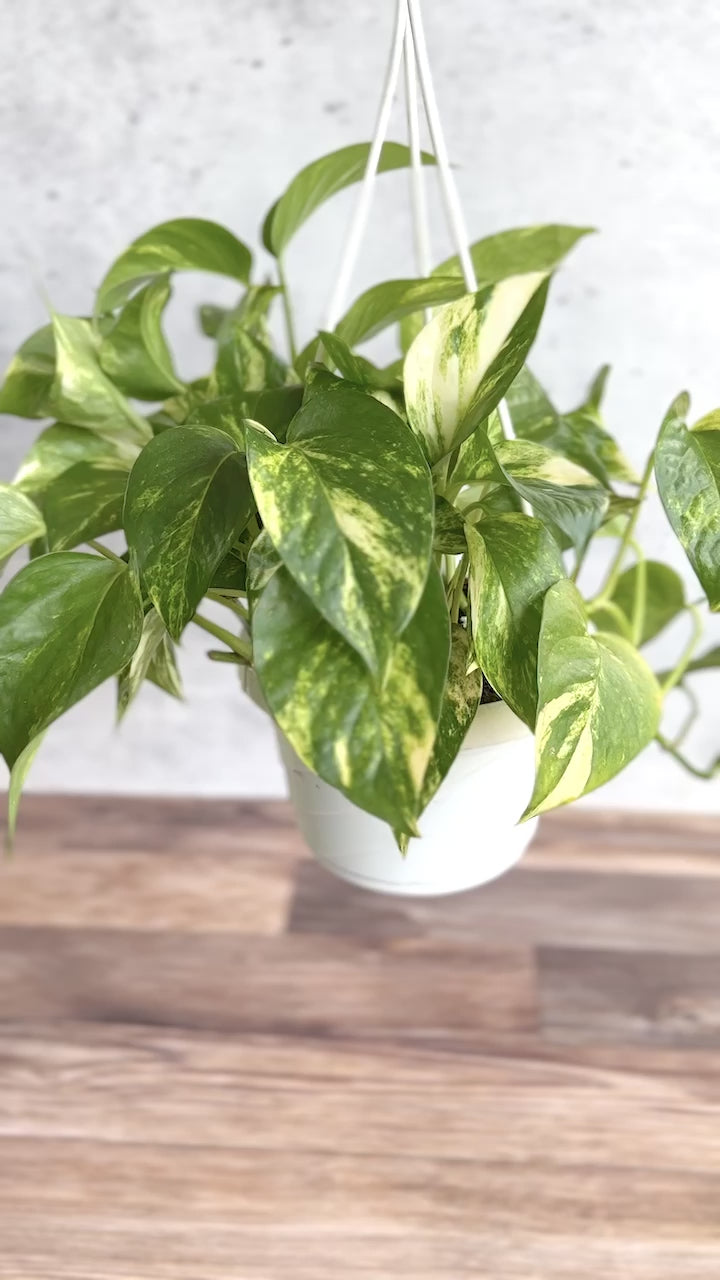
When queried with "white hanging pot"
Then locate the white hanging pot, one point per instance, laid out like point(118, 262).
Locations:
point(469, 830)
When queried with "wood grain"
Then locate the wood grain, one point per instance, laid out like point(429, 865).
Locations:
point(217, 1062)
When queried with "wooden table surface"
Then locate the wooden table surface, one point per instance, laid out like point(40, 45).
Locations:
point(218, 1063)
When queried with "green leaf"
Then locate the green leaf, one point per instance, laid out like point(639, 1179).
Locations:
point(188, 498)
point(356, 536)
point(246, 364)
point(356, 368)
point(18, 778)
point(599, 704)
point(513, 562)
point(580, 436)
point(276, 407)
point(20, 521)
point(154, 660)
point(461, 364)
point(664, 600)
point(384, 303)
point(373, 742)
point(85, 502)
point(566, 497)
point(226, 413)
point(449, 535)
point(516, 252)
point(211, 318)
point(134, 353)
point(68, 622)
point(82, 393)
point(318, 181)
point(230, 575)
point(705, 662)
point(60, 447)
point(26, 389)
point(687, 468)
point(460, 702)
point(184, 244)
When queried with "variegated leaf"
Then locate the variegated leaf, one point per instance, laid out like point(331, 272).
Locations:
point(449, 537)
point(461, 698)
point(154, 660)
point(20, 521)
point(320, 180)
point(580, 436)
point(459, 367)
point(246, 364)
point(356, 368)
point(372, 741)
point(61, 446)
point(687, 468)
point(566, 497)
point(356, 537)
point(513, 562)
point(599, 704)
point(82, 393)
point(663, 594)
point(25, 390)
point(184, 244)
point(188, 498)
point(68, 622)
point(83, 503)
point(133, 352)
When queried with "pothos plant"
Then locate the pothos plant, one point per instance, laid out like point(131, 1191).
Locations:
point(388, 554)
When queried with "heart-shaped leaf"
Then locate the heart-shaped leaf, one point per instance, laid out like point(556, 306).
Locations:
point(356, 537)
point(20, 521)
point(26, 389)
point(246, 364)
point(687, 468)
point(356, 368)
point(18, 777)
point(184, 244)
point(154, 660)
point(599, 704)
point(461, 698)
point(318, 181)
point(461, 364)
point(68, 622)
point(566, 497)
point(449, 537)
point(664, 595)
point(372, 741)
point(85, 502)
point(82, 393)
point(134, 353)
point(513, 562)
point(188, 498)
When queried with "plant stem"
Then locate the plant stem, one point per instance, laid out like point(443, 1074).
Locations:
point(239, 646)
point(616, 566)
point(595, 606)
point(685, 658)
point(287, 308)
point(456, 592)
point(106, 552)
point(705, 774)
point(640, 600)
point(230, 602)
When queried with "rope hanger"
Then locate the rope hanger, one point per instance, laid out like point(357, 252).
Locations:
point(409, 48)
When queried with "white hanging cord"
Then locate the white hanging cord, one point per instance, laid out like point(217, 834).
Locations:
point(449, 189)
point(447, 181)
point(362, 208)
point(421, 233)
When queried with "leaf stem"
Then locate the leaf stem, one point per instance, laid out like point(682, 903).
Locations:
point(230, 602)
point(685, 658)
point(288, 310)
point(640, 598)
point(695, 770)
point(617, 564)
point(106, 552)
point(609, 606)
point(239, 646)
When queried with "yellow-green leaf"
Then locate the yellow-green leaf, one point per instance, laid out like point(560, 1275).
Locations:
point(461, 364)
point(61, 446)
point(20, 521)
point(26, 388)
point(154, 660)
point(513, 562)
point(599, 704)
point(356, 536)
point(85, 502)
point(82, 393)
point(134, 353)
point(687, 468)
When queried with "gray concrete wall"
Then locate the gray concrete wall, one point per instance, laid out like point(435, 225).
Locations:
point(116, 117)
